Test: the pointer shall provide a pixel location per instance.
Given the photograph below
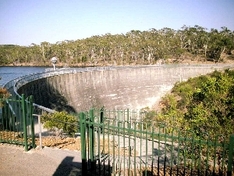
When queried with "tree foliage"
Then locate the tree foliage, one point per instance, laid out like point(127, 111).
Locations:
point(134, 47)
point(203, 104)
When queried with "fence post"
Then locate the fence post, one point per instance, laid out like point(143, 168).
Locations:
point(83, 143)
point(23, 106)
point(230, 155)
point(4, 116)
point(101, 118)
point(91, 139)
point(32, 120)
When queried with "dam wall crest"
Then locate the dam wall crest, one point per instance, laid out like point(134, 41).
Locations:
point(79, 89)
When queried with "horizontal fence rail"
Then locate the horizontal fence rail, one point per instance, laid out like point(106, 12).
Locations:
point(119, 143)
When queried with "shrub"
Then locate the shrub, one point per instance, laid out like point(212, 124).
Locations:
point(4, 94)
point(203, 104)
point(60, 121)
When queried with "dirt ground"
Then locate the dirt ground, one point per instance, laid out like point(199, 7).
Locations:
point(60, 143)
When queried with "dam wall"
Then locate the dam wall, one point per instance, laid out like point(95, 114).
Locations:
point(135, 87)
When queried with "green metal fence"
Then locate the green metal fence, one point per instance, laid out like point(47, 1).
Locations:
point(120, 143)
point(16, 122)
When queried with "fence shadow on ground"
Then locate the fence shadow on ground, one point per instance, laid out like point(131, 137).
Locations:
point(70, 168)
point(67, 167)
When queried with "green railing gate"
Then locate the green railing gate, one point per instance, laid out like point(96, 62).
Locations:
point(16, 122)
point(119, 143)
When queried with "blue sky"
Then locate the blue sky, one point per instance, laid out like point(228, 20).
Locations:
point(23, 22)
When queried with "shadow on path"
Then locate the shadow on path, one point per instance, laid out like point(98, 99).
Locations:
point(68, 168)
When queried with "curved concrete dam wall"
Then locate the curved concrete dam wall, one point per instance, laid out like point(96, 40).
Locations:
point(115, 88)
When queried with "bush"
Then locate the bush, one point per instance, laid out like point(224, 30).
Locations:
point(60, 121)
point(203, 104)
point(4, 94)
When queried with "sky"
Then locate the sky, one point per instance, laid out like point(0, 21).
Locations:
point(23, 22)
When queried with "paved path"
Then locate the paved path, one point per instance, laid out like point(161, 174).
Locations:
point(46, 162)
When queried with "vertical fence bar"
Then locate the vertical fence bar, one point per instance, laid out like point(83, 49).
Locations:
point(129, 141)
point(215, 151)
point(108, 146)
point(207, 156)
point(152, 149)
point(23, 105)
point(172, 150)
point(178, 153)
point(165, 151)
point(135, 129)
point(83, 143)
point(104, 140)
point(187, 146)
point(99, 132)
point(199, 157)
point(2, 119)
point(141, 136)
point(39, 122)
point(101, 118)
point(91, 139)
point(119, 162)
point(32, 120)
point(224, 152)
point(158, 151)
point(230, 155)
point(146, 150)
point(4, 115)
point(124, 137)
point(13, 116)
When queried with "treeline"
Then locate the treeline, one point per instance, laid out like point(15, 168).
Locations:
point(135, 47)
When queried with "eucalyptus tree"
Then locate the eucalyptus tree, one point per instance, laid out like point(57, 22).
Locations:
point(45, 48)
point(227, 39)
point(35, 53)
point(217, 44)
